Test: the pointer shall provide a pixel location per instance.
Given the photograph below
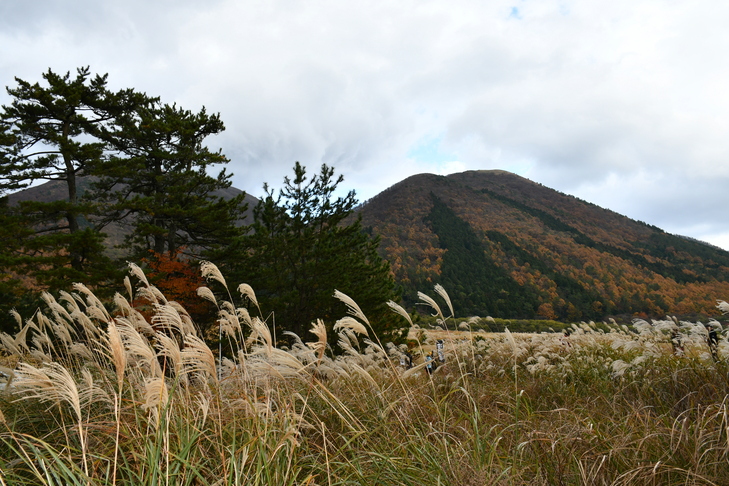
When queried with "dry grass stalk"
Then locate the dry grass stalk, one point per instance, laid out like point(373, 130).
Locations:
point(118, 356)
point(169, 350)
point(156, 397)
point(137, 272)
point(601, 429)
point(207, 294)
point(128, 287)
point(16, 316)
point(167, 317)
point(399, 310)
point(442, 292)
point(261, 334)
point(122, 305)
point(197, 357)
point(147, 294)
point(138, 350)
point(320, 331)
point(247, 291)
point(54, 384)
point(348, 322)
point(432, 303)
point(210, 271)
point(352, 306)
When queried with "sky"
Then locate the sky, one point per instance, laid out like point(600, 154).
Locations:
point(623, 103)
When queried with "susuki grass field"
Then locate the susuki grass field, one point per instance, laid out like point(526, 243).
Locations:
point(136, 396)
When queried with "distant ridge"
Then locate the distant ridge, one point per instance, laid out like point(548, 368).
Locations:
point(58, 190)
point(505, 246)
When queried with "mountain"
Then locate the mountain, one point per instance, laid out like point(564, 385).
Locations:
point(505, 246)
point(58, 190)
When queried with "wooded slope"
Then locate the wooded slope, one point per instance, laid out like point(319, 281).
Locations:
point(505, 246)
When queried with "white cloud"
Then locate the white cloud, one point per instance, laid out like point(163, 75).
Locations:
point(622, 103)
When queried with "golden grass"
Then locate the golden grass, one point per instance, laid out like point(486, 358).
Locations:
point(100, 396)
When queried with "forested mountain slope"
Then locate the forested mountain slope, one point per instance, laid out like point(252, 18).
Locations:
point(505, 246)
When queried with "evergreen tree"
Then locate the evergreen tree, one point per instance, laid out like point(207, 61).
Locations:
point(158, 182)
point(53, 132)
point(305, 245)
point(7, 154)
point(476, 284)
point(14, 261)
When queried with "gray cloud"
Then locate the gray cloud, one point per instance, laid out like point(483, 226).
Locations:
point(621, 103)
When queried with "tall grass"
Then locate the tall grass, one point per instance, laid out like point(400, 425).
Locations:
point(136, 396)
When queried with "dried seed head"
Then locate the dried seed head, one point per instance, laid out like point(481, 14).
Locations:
point(158, 294)
point(352, 306)
point(197, 357)
point(243, 315)
point(320, 331)
point(261, 333)
point(8, 344)
point(116, 347)
point(510, 338)
point(91, 299)
point(52, 383)
point(211, 272)
point(722, 306)
point(155, 393)
point(350, 323)
point(122, 304)
point(428, 300)
point(247, 291)
point(137, 272)
point(169, 349)
point(207, 294)
point(16, 316)
point(399, 310)
point(441, 291)
point(128, 286)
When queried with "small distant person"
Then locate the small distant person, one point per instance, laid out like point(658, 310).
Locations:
point(677, 342)
point(441, 353)
point(713, 342)
point(408, 359)
point(429, 363)
point(565, 339)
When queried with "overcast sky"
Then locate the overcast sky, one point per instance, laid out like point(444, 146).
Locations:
point(623, 103)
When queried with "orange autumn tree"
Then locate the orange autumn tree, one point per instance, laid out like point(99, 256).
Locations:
point(178, 278)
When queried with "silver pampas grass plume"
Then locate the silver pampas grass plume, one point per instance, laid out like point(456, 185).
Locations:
point(207, 294)
point(247, 291)
point(135, 270)
point(211, 272)
point(352, 306)
point(442, 292)
point(399, 310)
point(348, 322)
point(429, 300)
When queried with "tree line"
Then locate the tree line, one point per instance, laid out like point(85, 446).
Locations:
point(127, 158)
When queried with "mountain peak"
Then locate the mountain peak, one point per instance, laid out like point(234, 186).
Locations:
point(485, 233)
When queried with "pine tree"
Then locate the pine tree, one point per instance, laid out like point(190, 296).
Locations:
point(305, 245)
point(8, 145)
point(53, 130)
point(158, 182)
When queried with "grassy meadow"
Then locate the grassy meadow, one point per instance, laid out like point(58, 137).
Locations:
point(135, 396)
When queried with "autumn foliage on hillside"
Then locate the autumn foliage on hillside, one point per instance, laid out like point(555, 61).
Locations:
point(560, 257)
